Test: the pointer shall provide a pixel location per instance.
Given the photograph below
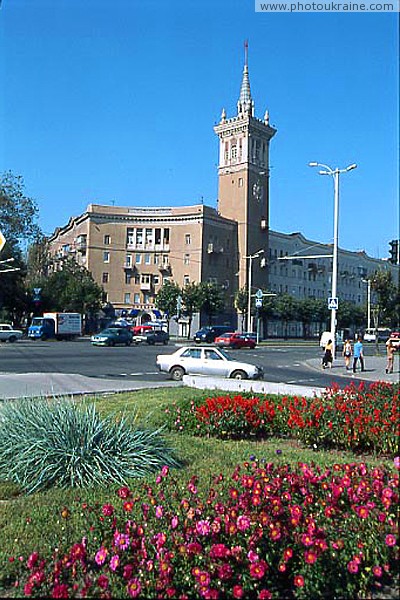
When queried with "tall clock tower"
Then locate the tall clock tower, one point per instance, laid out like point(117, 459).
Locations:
point(243, 170)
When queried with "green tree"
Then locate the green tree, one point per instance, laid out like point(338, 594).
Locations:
point(212, 300)
point(349, 315)
point(307, 310)
point(167, 299)
point(241, 301)
point(18, 223)
point(388, 298)
point(286, 307)
point(72, 288)
point(191, 301)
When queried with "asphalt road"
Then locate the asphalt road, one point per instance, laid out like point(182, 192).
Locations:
point(282, 362)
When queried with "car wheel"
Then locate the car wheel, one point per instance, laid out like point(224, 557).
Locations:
point(110, 343)
point(43, 337)
point(177, 373)
point(12, 339)
point(165, 342)
point(239, 375)
point(151, 342)
point(128, 343)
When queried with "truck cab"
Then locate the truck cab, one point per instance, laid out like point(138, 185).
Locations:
point(41, 328)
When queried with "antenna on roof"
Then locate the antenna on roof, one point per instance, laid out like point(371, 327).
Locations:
point(246, 51)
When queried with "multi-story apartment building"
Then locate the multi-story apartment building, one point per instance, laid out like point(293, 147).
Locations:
point(132, 251)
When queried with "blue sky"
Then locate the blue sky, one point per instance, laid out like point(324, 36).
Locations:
point(115, 102)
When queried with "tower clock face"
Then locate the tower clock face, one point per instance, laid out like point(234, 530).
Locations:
point(258, 191)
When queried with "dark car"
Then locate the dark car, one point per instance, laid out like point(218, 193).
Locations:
point(112, 336)
point(157, 336)
point(208, 334)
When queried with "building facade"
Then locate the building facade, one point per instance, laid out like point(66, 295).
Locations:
point(132, 251)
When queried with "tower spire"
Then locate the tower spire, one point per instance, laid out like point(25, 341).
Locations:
point(245, 103)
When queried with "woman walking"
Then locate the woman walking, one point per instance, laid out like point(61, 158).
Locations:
point(347, 352)
point(327, 358)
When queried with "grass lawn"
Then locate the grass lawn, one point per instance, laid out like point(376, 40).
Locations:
point(54, 519)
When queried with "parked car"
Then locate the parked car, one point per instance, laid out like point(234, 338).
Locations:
point(370, 334)
point(112, 336)
point(156, 336)
point(140, 329)
point(9, 334)
point(208, 334)
point(211, 361)
point(235, 340)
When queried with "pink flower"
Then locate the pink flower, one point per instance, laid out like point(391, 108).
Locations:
point(134, 588)
point(108, 510)
point(121, 540)
point(310, 557)
point(243, 522)
point(60, 591)
point(258, 569)
point(123, 492)
point(159, 512)
point(101, 556)
point(396, 462)
point(174, 522)
point(32, 560)
point(252, 556)
point(237, 591)
point(102, 582)
point(164, 471)
point(203, 527)
point(390, 540)
point(264, 595)
point(219, 551)
point(377, 571)
point(352, 566)
point(114, 562)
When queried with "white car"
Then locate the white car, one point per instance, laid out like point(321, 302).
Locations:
point(9, 334)
point(211, 361)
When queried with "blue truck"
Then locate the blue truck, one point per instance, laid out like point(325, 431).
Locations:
point(56, 325)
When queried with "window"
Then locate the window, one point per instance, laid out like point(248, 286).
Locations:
point(104, 278)
point(192, 353)
point(240, 182)
point(107, 240)
point(136, 298)
point(147, 259)
point(128, 260)
point(211, 355)
point(156, 279)
point(138, 259)
point(106, 256)
point(130, 236)
point(127, 298)
point(149, 237)
point(188, 239)
point(186, 259)
point(128, 278)
point(166, 235)
point(146, 279)
point(146, 298)
point(156, 259)
point(186, 280)
point(139, 237)
point(157, 236)
point(137, 279)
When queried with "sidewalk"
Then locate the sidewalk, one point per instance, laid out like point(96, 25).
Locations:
point(374, 369)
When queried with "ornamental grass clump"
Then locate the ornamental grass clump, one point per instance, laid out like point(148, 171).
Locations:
point(63, 443)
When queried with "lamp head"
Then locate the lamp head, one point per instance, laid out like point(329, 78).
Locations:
point(351, 167)
point(313, 164)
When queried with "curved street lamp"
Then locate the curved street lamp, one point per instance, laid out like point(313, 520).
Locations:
point(250, 257)
point(335, 174)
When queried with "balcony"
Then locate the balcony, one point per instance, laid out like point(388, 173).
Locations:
point(167, 269)
point(81, 243)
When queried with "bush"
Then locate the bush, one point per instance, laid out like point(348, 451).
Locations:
point(360, 419)
point(265, 531)
point(63, 443)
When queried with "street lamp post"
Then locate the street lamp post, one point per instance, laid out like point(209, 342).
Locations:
point(249, 278)
point(335, 174)
point(368, 282)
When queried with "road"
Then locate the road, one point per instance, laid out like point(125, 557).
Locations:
point(287, 363)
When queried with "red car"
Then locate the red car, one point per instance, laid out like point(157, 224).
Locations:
point(235, 340)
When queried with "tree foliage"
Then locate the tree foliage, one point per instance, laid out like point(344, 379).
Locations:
point(167, 299)
point(191, 302)
point(241, 301)
point(388, 297)
point(18, 212)
point(212, 300)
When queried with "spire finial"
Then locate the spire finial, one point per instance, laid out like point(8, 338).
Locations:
point(245, 103)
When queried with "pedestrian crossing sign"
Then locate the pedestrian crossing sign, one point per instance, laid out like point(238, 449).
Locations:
point(333, 303)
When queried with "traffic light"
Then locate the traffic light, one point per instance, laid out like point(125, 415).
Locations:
point(394, 252)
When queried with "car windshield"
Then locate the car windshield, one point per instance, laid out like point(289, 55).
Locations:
point(107, 331)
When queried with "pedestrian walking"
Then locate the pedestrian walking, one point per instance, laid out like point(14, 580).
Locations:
point(390, 350)
point(328, 357)
point(358, 355)
point(347, 353)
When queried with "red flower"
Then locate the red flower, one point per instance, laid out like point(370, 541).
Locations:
point(108, 510)
point(299, 581)
point(237, 591)
point(390, 540)
point(258, 569)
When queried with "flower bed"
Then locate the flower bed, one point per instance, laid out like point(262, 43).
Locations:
point(267, 531)
point(361, 419)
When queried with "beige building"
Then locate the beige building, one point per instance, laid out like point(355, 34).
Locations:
point(132, 251)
